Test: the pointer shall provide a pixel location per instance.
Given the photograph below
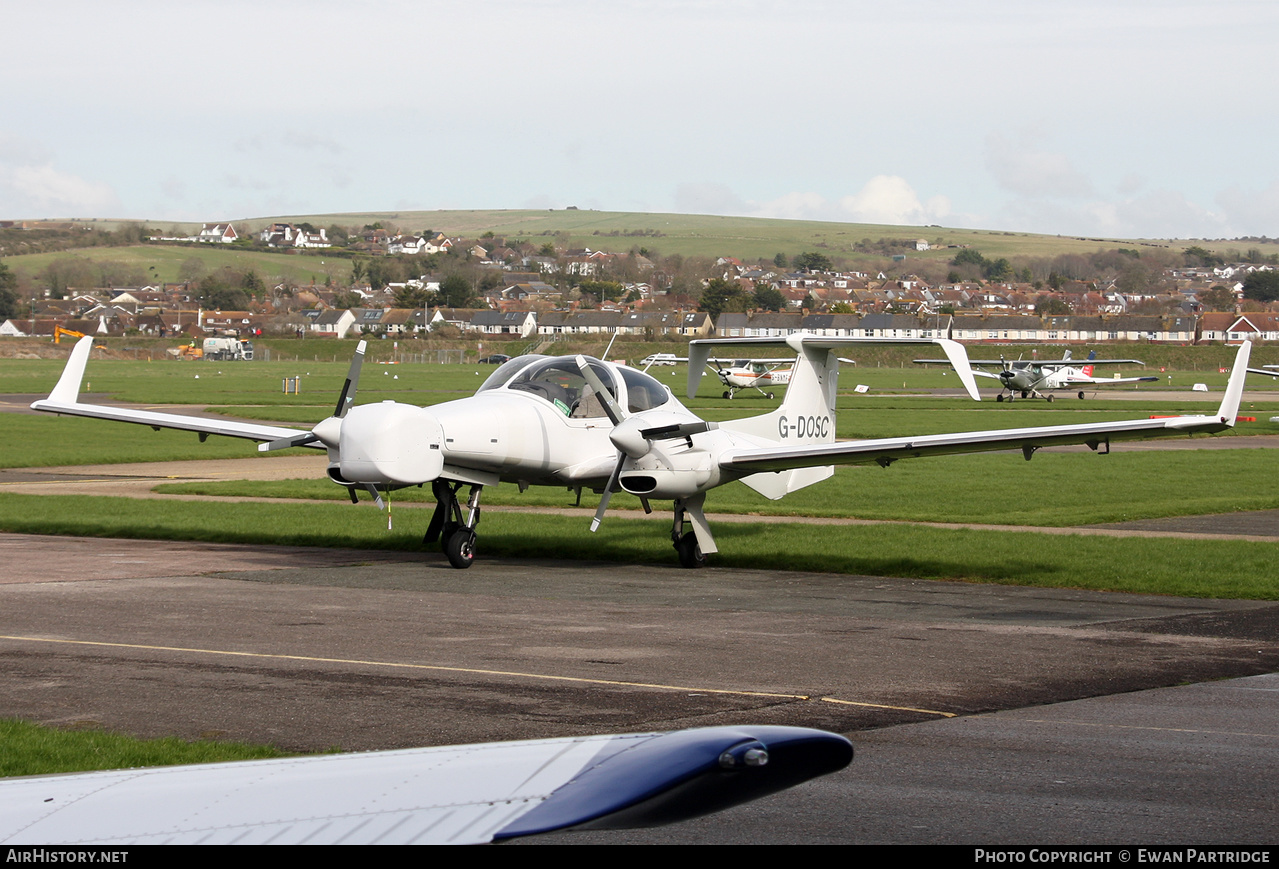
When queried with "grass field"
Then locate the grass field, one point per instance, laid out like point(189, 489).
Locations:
point(709, 235)
point(30, 749)
point(689, 235)
point(1056, 489)
point(301, 269)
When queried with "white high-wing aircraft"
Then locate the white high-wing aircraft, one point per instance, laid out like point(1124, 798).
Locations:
point(1031, 379)
point(756, 374)
point(577, 422)
point(737, 374)
point(456, 795)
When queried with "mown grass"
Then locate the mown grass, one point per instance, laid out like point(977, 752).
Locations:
point(1193, 568)
point(31, 749)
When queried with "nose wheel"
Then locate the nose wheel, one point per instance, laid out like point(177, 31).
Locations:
point(460, 547)
point(454, 531)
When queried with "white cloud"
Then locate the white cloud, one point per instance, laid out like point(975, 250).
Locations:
point(42, 191)
point(889, 199)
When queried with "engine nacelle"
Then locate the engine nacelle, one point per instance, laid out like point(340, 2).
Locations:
point(665, 483)
point(390, 443)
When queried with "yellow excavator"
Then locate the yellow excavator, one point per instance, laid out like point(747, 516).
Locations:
point(59, 333)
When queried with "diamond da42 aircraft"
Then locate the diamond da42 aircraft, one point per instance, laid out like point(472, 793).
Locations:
point(581, 423)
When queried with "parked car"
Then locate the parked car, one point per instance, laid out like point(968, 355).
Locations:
point(495, 359)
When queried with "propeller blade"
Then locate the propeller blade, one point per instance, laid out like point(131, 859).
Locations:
point(347, 397)
point(299, 440)
point(608, 491)
point(606, 398)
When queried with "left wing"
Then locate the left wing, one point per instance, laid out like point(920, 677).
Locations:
point(64, 400)
point(465, 794)
point(885, 451)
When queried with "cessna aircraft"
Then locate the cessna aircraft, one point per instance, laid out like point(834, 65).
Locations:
point(578, 422)
point(455, 795)
point(1032, 379)
point(737, 374)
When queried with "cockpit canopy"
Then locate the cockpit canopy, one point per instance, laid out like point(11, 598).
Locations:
point(559, 380)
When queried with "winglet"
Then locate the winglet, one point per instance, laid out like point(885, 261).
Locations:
point(959, 361)
point(1234, 389)
point(68, 388)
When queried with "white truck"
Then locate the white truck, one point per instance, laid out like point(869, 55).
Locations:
point(228, 350)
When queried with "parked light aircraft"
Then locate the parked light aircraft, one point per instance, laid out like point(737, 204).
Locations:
point(577, 422)
point(756, 374)
point(1032, 378)
point(457, 795)
point(737, 374)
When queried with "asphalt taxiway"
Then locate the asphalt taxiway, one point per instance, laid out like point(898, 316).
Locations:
point(980, 713)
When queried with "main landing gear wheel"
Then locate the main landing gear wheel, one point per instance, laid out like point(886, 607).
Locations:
point(999, 397)
point(460, 547)
point(728, 394)
point(1081, 395)
point(690, 554)
point(770, 395)
point(1049, 398)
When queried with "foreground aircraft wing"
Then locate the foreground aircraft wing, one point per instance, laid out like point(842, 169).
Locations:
point(885, 451)
point(63, 400)
point(465, 794)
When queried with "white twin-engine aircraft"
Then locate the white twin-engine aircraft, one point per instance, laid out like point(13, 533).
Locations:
point(578, 422)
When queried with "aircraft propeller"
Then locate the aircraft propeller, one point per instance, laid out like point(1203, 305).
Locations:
point(329, 431)
point(629, 435)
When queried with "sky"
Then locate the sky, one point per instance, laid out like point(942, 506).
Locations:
point(1131, 119)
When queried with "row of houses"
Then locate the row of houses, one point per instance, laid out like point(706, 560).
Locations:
point(1213, 327)
point(1173, 329)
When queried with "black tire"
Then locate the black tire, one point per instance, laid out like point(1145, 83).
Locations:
point(999, 397)
point(690, 554)
point(460, 548)
point(770, 395)
point(1081, 396)
point(1049, 398)
point(1025, 393)
point(728, 394)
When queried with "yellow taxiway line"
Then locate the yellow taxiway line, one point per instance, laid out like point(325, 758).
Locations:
point(657, 686)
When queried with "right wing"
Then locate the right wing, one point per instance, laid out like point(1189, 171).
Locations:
point(465, 794)
point(64, 400)
point(885, 451)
